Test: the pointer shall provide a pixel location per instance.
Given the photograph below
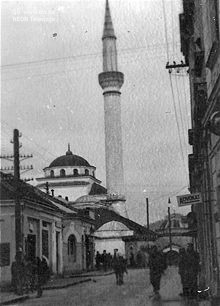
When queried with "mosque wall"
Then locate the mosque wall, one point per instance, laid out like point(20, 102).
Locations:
point(109, 244)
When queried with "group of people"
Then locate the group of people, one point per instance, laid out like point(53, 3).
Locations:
point(116, 262)
point(189, 267)
point(29, 274)
point(103, 261)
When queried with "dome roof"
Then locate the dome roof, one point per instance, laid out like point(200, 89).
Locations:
point(69, 160)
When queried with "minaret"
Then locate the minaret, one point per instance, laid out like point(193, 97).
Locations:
point(111, 81)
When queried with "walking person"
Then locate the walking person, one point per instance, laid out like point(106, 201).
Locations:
point(192, 270)
point(14, 275)
point(120, 267)
point(104, 260)
point(156, 265)
point(97, 260)
point(40, 277)
point(182, 270)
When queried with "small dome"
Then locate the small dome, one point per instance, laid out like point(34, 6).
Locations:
point(69, 160)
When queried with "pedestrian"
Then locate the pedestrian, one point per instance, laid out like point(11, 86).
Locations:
point(192, 269)
point(33, 271)
point(156, 265)
point(120, 267)
point(104, 260)
point(14, 275)
point(131, 258)
point(40, 277)
point(45, 269)
point(182, 270)
point(98, 260)
point(109, 259)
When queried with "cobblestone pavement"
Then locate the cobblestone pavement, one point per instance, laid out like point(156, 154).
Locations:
point(102, 291)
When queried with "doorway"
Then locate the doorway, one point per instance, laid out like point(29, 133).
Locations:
point(31, 246)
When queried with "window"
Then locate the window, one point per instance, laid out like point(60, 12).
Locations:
point(4, 254)
point(62, 172)
point(45, 243)
point(86, 172)
point(72, 247)
point(52, 173)
point(75, 172)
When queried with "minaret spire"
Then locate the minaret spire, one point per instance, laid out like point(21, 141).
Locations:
point(108, 25)
point(111, 81)
point(110, 61)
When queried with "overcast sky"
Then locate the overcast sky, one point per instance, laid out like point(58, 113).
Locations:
point(51, 58)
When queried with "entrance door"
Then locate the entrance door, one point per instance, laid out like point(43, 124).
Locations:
point(31, 246)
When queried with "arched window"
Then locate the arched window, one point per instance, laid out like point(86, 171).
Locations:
point(62, 172)
point(75, 172)
point(86, 172)
point(51, 173)
point(71, 251)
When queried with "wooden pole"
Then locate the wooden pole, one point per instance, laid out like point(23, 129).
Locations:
point(18, 231)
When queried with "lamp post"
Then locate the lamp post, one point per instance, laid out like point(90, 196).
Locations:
point(147, 211)
point(169, 224)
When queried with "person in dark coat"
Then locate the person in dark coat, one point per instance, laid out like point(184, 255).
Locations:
point(131, 258)
point(192, 269)
point(182, 270)
point(104, 260)
point(98, 260)
point(14, 275)
point(46, 270)
point(40, 277)
point(156, 265)
point(119, 266)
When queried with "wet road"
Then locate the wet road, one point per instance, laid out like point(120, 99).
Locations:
point(102, 291)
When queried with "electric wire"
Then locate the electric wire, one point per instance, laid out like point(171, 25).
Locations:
point(178, 128)
point(172, 91)
point(180, 111)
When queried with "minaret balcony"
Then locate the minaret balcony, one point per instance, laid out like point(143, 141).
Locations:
point(114, 79)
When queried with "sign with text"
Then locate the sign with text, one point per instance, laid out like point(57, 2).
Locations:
point(189, 199)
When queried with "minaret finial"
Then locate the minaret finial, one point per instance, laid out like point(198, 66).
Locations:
point(69, 152)
point(108, 25)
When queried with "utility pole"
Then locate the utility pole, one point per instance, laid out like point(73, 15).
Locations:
point(16, 158)
point(147, 213)
point(18, 230)
point(169, 223)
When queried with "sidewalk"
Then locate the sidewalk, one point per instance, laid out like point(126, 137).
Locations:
point(7, 298)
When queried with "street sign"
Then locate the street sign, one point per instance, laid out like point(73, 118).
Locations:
point(189, 199)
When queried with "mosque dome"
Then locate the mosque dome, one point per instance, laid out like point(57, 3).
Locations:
point(69, 160)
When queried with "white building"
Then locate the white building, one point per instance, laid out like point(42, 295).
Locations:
point(70, 176)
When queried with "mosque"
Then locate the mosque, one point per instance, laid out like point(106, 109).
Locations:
point(72, 178)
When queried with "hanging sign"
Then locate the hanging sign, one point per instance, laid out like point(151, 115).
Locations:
point(189, 199)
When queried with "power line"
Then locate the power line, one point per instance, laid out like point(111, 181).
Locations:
point(178, 128)
point(72, 57)
point(180, 111)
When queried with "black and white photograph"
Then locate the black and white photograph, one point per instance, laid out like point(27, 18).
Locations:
point(110, 153)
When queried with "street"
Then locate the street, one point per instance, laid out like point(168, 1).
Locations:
point(103, 291)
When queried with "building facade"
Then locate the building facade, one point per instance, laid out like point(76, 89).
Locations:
point(50, 229)
point(200, 44)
